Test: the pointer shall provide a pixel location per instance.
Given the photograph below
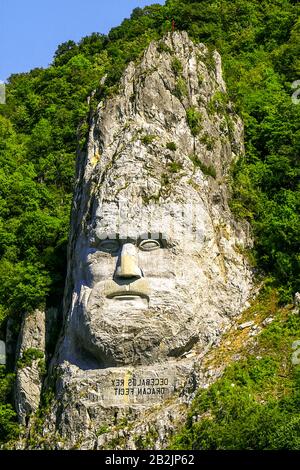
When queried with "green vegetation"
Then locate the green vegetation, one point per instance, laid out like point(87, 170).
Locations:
point(162, 47)
point(36, 439)
point(45, 121)
point(8, 425)
point(171, 146)
point(148, 139)
point(208, 170)
point(175, 167)
point(210, 59)
point(102, 430)
point(194, 119)
point(255, 405)
point(147, 441)
point(218, 103)
point(177, 66)
point(28, 356)
point(208, 141)
point(180, 89)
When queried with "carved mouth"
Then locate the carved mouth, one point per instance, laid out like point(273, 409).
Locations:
point(136, 292)
point(125, 295)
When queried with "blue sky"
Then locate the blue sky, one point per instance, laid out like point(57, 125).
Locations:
point(30, 30)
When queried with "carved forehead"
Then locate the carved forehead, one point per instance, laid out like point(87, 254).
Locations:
point(170, 221)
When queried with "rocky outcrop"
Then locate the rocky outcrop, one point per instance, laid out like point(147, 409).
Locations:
point(30, 365)
point(156, 270)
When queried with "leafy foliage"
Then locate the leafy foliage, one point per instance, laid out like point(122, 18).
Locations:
point(171, 146)
point(194, 119)
point(174, 167)
point(180, 89)
point(176, 66)
point(148, 139)
point(8, 425)
point(28, 356)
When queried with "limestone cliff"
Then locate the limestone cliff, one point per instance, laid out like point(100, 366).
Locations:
point(156, 268)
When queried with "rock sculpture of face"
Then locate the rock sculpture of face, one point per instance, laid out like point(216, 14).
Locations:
point(140, 296)
point(149, 286)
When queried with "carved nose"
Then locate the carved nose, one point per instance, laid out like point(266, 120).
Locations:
point(128, 263)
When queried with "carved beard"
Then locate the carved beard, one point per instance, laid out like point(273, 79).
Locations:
point(134, 331)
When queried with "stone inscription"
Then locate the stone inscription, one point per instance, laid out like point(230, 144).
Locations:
point(140, 387)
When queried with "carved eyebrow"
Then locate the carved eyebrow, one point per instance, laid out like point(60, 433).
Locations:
point(120, 238)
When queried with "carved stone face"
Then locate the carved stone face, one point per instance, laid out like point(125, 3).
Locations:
point(140, 300)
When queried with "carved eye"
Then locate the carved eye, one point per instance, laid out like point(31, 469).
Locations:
point(109, 246)
point(149, 245)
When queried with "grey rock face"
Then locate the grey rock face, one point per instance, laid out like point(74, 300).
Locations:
point(28, 380)
point(2, 353)
point(156, 271)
